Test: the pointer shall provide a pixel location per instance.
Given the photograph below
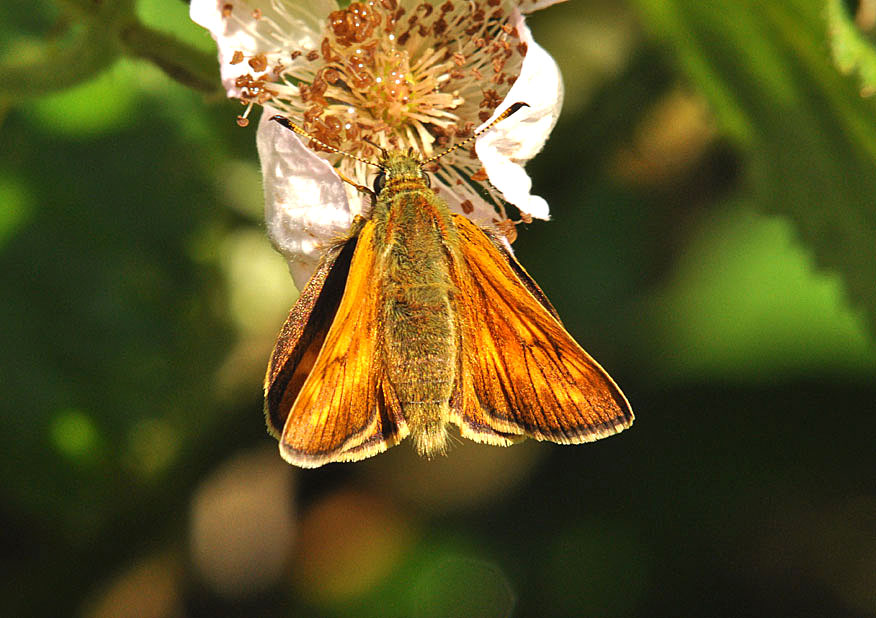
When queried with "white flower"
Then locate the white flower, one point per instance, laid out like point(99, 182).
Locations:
point(396, 73)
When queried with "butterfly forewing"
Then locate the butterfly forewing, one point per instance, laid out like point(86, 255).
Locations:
point(341, 412)
point(521, 372)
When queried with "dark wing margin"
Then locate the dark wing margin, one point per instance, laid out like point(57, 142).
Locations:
point(304, 332)
point(522, 374)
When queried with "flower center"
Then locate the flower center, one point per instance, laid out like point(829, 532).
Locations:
point(395, 74)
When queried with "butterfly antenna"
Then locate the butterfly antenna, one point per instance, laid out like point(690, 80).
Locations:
point(283, 121)
point(513, 108)
point(376, 145)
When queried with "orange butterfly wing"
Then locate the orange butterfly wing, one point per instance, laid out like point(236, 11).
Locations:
point(345, 411)
point(521, 373)
point(304, 333)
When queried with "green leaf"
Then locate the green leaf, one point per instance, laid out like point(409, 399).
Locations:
point(808, 137)
point(851, 51)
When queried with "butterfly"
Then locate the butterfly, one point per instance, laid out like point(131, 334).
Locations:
point(419, 319)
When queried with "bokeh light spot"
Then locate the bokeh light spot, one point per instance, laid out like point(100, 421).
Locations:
point(463, 587)
point(242, 524)
point(151, 588)
point(260, 288)
point(74, 434)
point(241, 183)
point(152, 446)
point(16, 208)
point(349, 542)
point(470, 475)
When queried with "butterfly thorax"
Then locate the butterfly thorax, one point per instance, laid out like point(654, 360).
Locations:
point(414, 238)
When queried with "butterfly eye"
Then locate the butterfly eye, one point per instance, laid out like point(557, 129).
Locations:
point(426, 178)
point(380, 182)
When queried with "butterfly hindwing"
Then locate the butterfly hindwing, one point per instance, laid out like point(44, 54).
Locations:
point(522, 374)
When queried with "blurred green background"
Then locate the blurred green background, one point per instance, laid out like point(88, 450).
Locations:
point(713, 189)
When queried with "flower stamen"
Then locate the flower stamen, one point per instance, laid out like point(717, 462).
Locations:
point(411, 74)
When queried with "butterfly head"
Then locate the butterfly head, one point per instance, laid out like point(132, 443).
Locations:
point(399, 166)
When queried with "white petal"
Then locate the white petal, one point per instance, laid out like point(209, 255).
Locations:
point(306, 204)
point(506, 147)
point(207, 13)
point(301, 23)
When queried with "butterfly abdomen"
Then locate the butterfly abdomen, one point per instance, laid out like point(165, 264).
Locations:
point(420, 348)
